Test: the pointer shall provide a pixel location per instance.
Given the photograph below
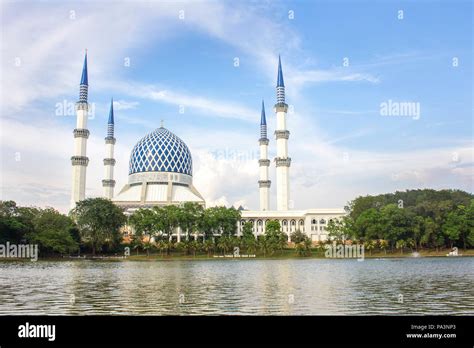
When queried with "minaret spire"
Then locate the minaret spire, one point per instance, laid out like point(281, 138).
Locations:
point(280, 88)
point(280, 82)
point(81, 134)
point(110, 123)
point(263, 122)
point(264, 163)
point(282, 134)
point(108, 183)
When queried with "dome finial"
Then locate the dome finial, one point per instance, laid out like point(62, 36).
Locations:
point(162, 124)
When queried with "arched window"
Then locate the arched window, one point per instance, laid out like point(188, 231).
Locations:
point(301, 222)
point(242, 222)
point(322, 221)
point(259, 222)
point(313, 221)
point(285, 222)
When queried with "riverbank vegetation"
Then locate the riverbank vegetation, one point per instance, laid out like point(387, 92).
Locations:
point(413, 220)
point(425, 221)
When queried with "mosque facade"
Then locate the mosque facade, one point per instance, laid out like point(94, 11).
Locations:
point(161, 171)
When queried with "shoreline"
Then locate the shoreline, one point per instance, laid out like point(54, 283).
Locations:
point(285, 255)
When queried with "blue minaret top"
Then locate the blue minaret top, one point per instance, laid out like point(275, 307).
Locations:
point(263, 124)
point(263, 119)
point(110, 123)
point(280, 82)
point(84, 72)
point(84, 86)
point(111, 112)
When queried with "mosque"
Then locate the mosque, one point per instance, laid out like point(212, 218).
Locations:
point(161, 171)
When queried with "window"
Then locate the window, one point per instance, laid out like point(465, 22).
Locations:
point(313, 221)
point(293, 222)
point(322, 221)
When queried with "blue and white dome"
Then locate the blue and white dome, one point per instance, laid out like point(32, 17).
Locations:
point(161, 151)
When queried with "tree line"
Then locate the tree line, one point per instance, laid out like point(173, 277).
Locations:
point(412, 219)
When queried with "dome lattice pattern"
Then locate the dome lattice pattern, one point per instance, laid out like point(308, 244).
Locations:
point(161, 151)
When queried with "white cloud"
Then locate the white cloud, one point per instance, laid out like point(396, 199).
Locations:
point(124, 105)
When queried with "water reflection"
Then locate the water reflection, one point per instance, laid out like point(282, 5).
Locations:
point(280, 287)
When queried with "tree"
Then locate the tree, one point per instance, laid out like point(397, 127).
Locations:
point(224, 243)
point(188, 217)
point(249, 242)
point(368, 225)
point(303, 248)
point(338, 229)
point(146, 228)
point(457, 226)
point(263, 244)
point(99, 221)
point(369, 245)
point(208, 246)
point(383, 244)
point(52, 232)
point(298, 237)
point(400, 244)
point(16, 222)
point(274, 238)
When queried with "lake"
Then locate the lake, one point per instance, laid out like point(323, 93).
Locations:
point(406, 286)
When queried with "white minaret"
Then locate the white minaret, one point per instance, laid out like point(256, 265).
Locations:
point(264, 163)
point(109, 161)
point(282, 160)
point(81, 134)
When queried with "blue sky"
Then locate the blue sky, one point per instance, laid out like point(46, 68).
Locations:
point(340, 143)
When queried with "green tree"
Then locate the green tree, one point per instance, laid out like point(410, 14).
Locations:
point(99, 221)
point(208, 246)
point(457, 226)
point(145, 225)
point(400, 244)
point(369, 245)
point(224, 243)
point(16, 222)
point(298, 237)
point(275, 239)
point(188, 217)
point(52, 232)
point(339, 229)
point(383, 244)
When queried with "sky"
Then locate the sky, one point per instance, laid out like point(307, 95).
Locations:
point(203, 67)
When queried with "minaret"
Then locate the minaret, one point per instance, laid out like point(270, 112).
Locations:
point(282, 160)
point(81, 134)
point(109, 162)
point(264, 163)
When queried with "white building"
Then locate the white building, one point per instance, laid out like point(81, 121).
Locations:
point(161, 172)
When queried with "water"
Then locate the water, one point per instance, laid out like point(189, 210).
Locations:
point(268, 287)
